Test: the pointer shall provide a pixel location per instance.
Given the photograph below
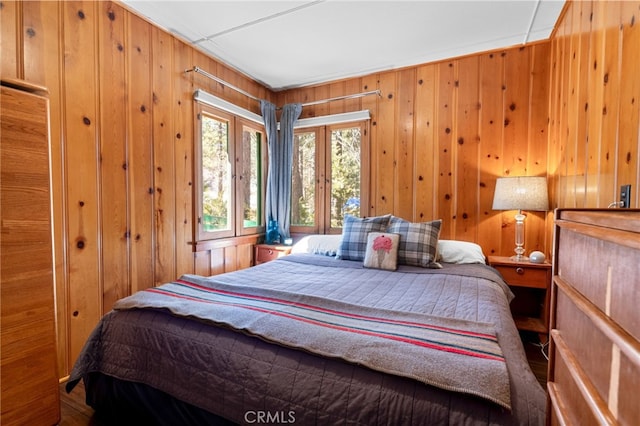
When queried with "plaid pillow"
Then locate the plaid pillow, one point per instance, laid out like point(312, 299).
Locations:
point(418, 242)
point(354, 235)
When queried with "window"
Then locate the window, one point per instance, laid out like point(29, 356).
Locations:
point(305, 179)
point(250, 184)
point(330, 176)
point(229, 166)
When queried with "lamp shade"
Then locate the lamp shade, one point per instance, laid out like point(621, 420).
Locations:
point(521, 193)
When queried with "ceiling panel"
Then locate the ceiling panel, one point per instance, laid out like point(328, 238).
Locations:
point(286, 44)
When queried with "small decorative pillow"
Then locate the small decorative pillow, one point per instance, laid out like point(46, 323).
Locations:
point(354, 235)
point(382, 251)
point(418, 242)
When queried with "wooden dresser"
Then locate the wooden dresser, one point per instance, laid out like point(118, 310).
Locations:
point(30, 392)
point(594, 364)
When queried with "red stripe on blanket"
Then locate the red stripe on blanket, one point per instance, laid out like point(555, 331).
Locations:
point(397, 338)
point(346, 314)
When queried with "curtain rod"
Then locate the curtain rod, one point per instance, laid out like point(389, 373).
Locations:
point(339, 98)
point(221, 81)
point(199, 70)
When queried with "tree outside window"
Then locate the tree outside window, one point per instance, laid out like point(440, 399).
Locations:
point(230, 153)
point(330, 167)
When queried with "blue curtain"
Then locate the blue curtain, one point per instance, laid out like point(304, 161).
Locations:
point(271, 128)
point(290, 114)
point(278, 197)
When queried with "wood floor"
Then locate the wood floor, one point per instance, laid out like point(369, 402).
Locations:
point(537, 360)
point(74, 411)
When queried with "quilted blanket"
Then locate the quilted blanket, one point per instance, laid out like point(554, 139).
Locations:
point(223, 372)
point(401, 343)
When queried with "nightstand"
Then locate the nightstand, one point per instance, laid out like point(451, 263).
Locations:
point(268, 252)
point(530, 282)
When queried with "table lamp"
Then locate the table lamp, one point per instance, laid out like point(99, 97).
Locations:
point(521, 193)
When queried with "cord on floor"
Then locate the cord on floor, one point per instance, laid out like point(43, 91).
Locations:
point(544, 347)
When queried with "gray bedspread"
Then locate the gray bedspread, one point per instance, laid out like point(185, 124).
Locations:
point(230, 373)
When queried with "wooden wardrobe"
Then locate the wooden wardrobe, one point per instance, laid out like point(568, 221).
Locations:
point(594, 352)
point(28, 371)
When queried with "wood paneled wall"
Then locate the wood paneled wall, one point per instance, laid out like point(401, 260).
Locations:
point(443, 132)
point(121, 143)
point(595, 104)
point(122, 139)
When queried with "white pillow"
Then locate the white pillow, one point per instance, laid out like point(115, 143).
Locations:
point(452, 251)
point(326, 245)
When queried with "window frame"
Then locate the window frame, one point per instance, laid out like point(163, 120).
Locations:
point(320, 182)
point(241, 124)
point(322, 202)
point(236, 125)
point(365, 168)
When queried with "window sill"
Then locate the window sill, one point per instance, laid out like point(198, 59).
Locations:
point(225, 242)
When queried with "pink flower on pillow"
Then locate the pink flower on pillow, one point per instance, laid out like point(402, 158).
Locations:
point(382, 242)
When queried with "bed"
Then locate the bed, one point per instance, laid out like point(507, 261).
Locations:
point(314, 338)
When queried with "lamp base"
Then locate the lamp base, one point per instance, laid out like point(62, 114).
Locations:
point(519, 258)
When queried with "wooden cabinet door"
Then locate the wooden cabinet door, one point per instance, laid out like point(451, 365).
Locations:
point(28, 371)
